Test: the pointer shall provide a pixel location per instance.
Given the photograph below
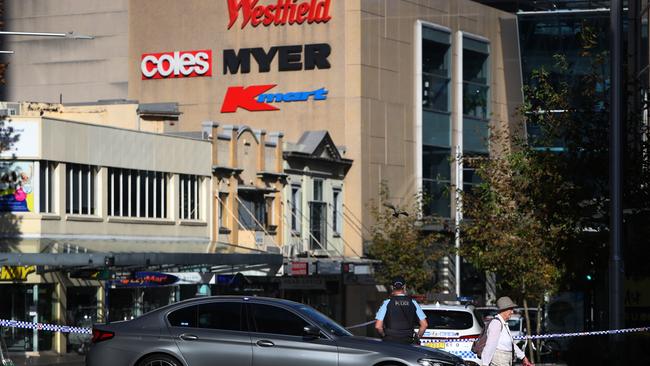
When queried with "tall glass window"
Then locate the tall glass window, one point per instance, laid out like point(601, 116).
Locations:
point(476, 104)
point(190, 186)
point(137, 193)
point(436, 121)
point(295, 209)
point(476, 98)
point(80, 186)
point(46, 184)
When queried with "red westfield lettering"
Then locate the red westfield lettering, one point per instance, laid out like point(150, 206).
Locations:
point(240, 97)
point(281, 13)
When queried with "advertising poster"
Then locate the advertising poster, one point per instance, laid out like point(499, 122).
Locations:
point(17, 187)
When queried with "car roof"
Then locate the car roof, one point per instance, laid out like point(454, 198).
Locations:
point(240, 297)
point(467, 308)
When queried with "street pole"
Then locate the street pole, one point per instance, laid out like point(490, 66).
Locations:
point(615, 162)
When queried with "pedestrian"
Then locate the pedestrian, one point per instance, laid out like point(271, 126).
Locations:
point(398, 316)
point(499, 346)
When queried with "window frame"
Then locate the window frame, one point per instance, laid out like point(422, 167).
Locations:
point(252, 327)
point(74, 174)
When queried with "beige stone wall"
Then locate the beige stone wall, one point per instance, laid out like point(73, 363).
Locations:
point(371, 102)
point(48, 69)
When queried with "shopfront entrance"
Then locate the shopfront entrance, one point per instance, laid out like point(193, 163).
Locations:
point(31, 303)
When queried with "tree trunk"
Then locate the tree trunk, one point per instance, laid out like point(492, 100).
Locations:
point(531, 353)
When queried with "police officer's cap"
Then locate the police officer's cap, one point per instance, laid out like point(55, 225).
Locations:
point(398, 282)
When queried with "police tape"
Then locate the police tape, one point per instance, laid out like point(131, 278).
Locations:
point(546, 336)
point(44, 326)
point(537, 336)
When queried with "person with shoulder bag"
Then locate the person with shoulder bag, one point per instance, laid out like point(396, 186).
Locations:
point(495, 346)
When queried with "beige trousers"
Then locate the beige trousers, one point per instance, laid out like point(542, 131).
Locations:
point(501, 358)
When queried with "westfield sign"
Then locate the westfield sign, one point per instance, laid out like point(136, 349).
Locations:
point(281, 13)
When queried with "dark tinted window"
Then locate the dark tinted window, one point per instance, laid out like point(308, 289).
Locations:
point(276, 320)
point(184, 317)
point(220, 315)
point(449, 319)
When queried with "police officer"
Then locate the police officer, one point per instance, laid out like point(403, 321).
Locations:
point(398, 315)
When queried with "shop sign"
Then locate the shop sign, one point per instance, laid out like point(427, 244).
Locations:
point(16, 273)
point(299, 268)
point(93, 274)
point(290, 58)
point(27, 136)
point(281, 13)
point(254, 99)
point(145, 279)
point(17, 187)
point(306, 283)
point(177, 64)
point(323, 267)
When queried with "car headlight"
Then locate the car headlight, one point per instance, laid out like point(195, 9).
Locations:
point(430, 362)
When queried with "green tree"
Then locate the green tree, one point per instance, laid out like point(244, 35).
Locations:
point(402, 245)
point(541, 190)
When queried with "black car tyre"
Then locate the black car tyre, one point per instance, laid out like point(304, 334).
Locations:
point(159, 360)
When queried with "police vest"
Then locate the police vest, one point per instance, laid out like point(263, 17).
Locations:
point(400, 317)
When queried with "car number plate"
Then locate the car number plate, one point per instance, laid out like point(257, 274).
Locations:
point(435, 345)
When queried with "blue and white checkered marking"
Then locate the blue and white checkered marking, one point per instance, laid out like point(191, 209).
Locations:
point(44, 326)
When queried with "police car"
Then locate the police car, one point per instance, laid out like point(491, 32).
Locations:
point(452, 328)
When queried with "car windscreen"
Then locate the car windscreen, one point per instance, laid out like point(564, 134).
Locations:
point(449, 319)
point(322, 320)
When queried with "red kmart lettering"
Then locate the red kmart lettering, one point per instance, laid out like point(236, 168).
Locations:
point(281, 13)
point(254, 98)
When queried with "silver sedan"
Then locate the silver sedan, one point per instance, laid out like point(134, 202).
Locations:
point(246, 331)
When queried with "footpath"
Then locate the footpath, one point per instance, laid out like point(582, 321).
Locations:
point(48, 359)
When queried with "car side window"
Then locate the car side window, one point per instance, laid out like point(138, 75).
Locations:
point(221, 315)
point(276, 320)
point(184, 317)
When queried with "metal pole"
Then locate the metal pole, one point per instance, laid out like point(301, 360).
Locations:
point(615, 162)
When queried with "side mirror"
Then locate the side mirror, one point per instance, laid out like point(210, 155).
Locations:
point(311, 331)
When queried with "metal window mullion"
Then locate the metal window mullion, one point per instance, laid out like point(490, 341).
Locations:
point(111, 177)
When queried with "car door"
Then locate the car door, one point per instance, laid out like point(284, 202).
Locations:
point(212, 333)
point(278, 339)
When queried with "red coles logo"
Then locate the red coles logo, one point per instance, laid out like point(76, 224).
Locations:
point(281, 13)
point(178, 64)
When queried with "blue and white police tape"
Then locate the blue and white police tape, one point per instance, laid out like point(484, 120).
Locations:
point(538, 336)
point(44, 326)
point(556, 335)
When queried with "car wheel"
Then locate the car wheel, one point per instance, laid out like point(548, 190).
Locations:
point(159, 360)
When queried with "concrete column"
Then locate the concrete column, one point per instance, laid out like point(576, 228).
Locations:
point(59, 306)
point(101, 303)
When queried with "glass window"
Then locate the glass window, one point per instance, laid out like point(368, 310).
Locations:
point(189, 197)
point(475, 135)
point(475, 79)
point(336, 211)
point(296, 211)
point(436, 120)
point(276, 320)
point(325, 322)
point(251, 210)
point(46, 186)
point(449, 319)
point(184, 317)
point(318, 190)
point(136, 193)
point(80, 186)
point(223, 198)
point(318, 225)
point(221, 315)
